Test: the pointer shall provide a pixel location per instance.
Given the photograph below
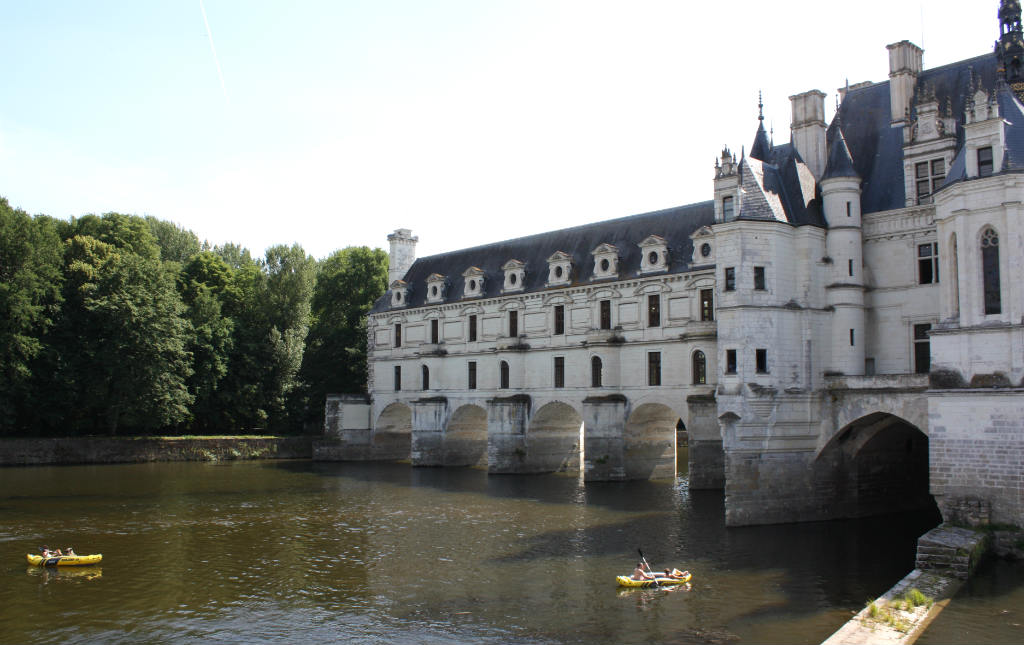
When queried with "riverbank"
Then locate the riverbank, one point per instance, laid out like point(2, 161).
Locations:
point(115, 450)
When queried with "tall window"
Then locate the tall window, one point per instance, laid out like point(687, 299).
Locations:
point(595, 372)
point(559, 319)
point(761, 357)
point(990, 271)
point(730, 278)
point(654, 311)
point(985, 166)
point(513, 324)
point(954, 275)
point(471, 375)
point(730, 361)
point(707, 304)
point(928, 263)
point(654, 368)
point(559, 371)
point(852, 339)
point(398, 335)
point(700, 368)
point(727, 208)
point(433, 331)
point(503, 375)
point(759, 278)
point(929, 175)
point(472, 327)
point(922, 349)
point(398, 378)
point(606, 314)
point(426, 377)
point(849, 267)
point(849, 209)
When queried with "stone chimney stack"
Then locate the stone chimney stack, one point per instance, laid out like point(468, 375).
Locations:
point(904, 66)
point(807, 130)
point(402, 254)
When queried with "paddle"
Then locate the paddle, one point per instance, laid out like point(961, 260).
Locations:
point(656, 583)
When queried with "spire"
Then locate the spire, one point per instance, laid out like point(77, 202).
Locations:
point(840, 163)
point(761, 149)
point(1010, 46)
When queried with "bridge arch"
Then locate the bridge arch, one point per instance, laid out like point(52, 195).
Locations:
point(392, 434)
point(465, 437)
point(554, 439)
point(649, 442)
point(876, 464)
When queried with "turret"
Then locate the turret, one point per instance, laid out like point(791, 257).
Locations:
point(402, 254)
point(1010, 46)
point(762, 148)
point(840, 191)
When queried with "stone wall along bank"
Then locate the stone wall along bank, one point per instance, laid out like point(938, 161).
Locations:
point(112, 450)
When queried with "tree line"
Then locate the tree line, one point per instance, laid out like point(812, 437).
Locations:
point(121, 324)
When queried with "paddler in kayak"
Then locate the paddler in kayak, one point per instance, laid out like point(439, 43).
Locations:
point(640, 573)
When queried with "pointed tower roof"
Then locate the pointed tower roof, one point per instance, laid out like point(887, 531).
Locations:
point(761, 149)
point(840, 162)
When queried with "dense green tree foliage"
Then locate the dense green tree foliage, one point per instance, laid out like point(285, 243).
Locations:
point(349, 281)
point(121, 324)
point(30, 296)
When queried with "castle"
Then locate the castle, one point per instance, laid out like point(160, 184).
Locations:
point(838, 330)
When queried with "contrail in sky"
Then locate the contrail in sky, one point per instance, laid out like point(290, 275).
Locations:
point(216, 60)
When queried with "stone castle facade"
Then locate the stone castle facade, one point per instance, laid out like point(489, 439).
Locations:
point(838, 330)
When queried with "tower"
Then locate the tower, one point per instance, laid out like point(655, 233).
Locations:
point(1010, 46)
point(840, 190)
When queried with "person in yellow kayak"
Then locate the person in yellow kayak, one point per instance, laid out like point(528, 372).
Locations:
point(676, 574)
point(640, 573)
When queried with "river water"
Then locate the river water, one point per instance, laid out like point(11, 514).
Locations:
point(297, 551)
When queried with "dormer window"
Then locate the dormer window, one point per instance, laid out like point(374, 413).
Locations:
point(559, 269)
point(985, 165)
point(606, 262)
point(435, 287)
point(654, 254)
point(703, 246)
point(929, 175)
point(400, 293)
point(728, 209)
point(473, 279)
point(515, 276)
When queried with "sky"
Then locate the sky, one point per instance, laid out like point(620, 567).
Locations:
point(331, 123)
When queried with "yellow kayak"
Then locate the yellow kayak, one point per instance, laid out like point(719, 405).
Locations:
point(626, 581)
point(64, 560)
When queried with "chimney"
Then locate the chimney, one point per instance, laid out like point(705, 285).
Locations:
point(904, 66)
point(807, 130)
point(402, 255)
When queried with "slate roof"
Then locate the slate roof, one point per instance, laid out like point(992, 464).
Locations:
point(779, 188)
point(675, 225)
point(877, 148)
point(840, 163)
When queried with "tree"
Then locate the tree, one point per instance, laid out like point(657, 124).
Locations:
point(349, 281)
point(204, 283)
point(119, 350)
point(30, 297)
point(176, 243)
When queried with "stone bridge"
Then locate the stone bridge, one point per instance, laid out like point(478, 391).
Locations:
point(858, 446)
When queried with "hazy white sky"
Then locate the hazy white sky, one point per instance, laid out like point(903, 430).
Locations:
point(468, 121)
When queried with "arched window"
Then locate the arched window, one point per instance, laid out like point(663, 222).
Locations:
point(426, 377)
point(595, 371)
point(990, 271)
point(503, 368)
point(700, 368)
